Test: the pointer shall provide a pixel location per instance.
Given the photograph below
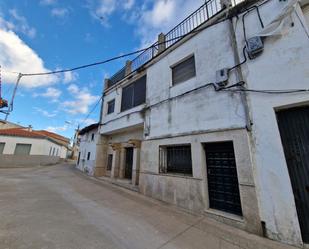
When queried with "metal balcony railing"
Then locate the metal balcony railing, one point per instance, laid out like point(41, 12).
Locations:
point(197, 18)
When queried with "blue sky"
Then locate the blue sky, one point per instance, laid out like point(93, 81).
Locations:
point(44, 35)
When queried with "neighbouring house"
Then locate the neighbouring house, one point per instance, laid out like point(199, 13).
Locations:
point(27, 147)
point(214, 117)
point(88, 138)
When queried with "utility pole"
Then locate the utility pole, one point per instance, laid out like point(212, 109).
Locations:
point(13, 96)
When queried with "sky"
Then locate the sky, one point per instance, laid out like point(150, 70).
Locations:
point(47, 35)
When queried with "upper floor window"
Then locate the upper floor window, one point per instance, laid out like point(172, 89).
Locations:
point(134, 94)
point(111, 106)
point(183, 71)
point(92, 136)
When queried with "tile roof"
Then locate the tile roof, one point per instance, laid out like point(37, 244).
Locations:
point(53, 135)
point(20, 132)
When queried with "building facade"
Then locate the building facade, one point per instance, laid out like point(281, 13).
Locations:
point(86, 157)
point(216, 120)
point(26, 147)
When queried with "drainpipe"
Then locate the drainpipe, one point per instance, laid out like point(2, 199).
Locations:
point(239, 75)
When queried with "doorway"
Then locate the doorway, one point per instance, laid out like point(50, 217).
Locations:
point(294, 130)
point(128, 163)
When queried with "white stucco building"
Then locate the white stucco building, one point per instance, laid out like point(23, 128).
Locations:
point(88, 138)
point(217, 121)
point(24, 146)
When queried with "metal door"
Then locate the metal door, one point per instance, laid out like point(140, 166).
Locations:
point(222, 178)
point(129, 163)
point(294, 131)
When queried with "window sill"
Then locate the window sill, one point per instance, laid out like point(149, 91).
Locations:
point(177, 175)
point(225, 215)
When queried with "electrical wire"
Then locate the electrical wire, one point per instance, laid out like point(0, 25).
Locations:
point(93, 109)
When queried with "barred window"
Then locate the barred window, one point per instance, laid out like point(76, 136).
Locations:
point(111, 106)
point(183, 71)
point(134, 94)
point(176, 159)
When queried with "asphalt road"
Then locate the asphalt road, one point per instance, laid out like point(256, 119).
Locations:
point(58, 207)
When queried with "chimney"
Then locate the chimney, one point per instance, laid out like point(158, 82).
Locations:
point(30, 128)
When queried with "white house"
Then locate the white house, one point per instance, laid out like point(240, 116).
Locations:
point(214, 117)
point(26, 147)
point(88, 138)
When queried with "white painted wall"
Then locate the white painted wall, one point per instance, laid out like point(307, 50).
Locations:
point(282, 65)
point(39, 146)
point(88, 145)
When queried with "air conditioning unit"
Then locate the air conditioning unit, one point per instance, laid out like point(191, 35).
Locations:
point(255, 46)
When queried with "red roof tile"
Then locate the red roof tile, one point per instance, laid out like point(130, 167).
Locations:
point(20, 132)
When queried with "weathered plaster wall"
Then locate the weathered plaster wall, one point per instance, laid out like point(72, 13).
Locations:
point(191, 192)
point(200, 110)
point(282, 65)
point(87, 145)
point(7, 161)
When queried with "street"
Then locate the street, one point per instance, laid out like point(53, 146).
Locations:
point(58, 207)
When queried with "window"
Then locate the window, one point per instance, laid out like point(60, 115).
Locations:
point(109, 162)
point(22, 149)
point(134, 94)
point(92, 136)
point(53, 151)
point(50, 151)
point(176, 159)
point(57, 152)
point(183, 71)
point(111, 106)
point(1, 148)
point(88, 156)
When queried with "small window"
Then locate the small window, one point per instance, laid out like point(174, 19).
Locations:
point(88, 156)
point(183, 71)
point(1, 148)
point(111, 106)
point(53, 151)
point(57, 152)
point(109, 162)
point(78, 158)
point(22, 149)
point(50, 151)
point(176, 159)
point(92, 136)
point(134, 94)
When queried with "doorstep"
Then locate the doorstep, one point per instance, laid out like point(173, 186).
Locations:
point(124, 183)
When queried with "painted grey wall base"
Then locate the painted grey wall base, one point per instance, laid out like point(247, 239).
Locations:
point(191, 192)
point(7, 161)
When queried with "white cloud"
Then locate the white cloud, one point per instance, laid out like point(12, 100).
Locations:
point(73, 89)
point(69, 77)
point(56, 129)
point(83, 99)
point(160, 16)
point(46, 113)
point(51, 93)
point(48, 2)
point(59, 12)
point(16, 56)
point(128, 4)
point(20, 24)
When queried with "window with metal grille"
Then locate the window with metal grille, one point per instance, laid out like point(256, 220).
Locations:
point(176, 159)
point(22, 149)
point(88, 156)
point(109, 162)
point(111, 106)
point(1, 148)
point(134, 94)
point(183, 71)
